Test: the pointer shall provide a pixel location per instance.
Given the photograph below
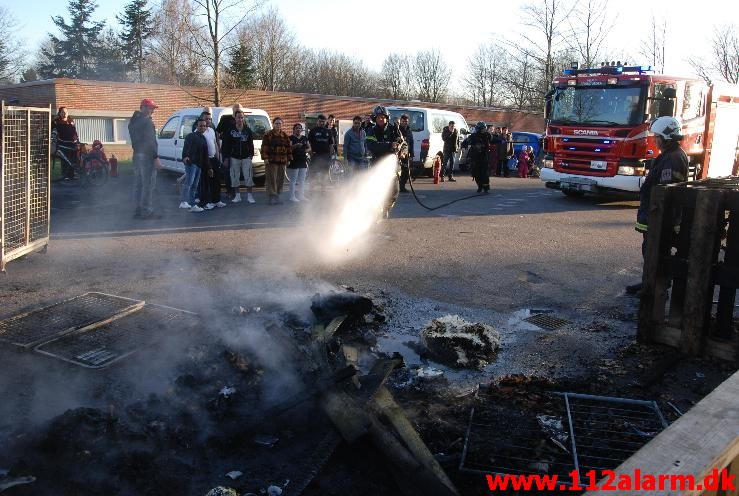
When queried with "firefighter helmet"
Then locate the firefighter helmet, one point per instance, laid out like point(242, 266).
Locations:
point(667, 127)
point(379, 110)
point(480, 126)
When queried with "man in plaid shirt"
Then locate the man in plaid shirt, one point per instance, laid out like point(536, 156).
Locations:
point(276, 151)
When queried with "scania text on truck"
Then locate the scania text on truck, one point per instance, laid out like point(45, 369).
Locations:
point(597, 136)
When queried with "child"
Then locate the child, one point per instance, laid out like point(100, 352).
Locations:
point(97, 152)
point(524, 161)
point(437, 166)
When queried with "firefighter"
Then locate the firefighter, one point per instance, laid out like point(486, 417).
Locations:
point(405, 164)
point(385, 139)
point(479, 145)
point(670, 167)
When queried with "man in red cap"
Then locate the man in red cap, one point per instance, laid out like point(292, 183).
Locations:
point(145, 159)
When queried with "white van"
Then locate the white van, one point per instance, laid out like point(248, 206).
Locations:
point(427, 125)
point(171, 137)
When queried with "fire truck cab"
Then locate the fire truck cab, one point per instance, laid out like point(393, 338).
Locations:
point(597, 136)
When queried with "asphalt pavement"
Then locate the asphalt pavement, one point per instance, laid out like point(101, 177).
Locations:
point(523, 245)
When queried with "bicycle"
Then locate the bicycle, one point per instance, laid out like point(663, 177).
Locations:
point(337, 171)
point(91, 170)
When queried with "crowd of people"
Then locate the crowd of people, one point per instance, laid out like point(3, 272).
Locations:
point(225, 153)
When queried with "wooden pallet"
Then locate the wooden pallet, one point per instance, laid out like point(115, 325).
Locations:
point(692, 253)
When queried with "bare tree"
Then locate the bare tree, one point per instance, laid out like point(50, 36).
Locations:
point(432, 75)
point(590, 25)
point(485, 74)
point(397, 77)
point(724, 61)
point(12, 53)
point(277, 56)
point(216, 34)
point(520, 82)
point(654, 44)
point(174, 56)
point(546, 20)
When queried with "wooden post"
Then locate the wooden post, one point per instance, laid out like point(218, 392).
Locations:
point(727, 294)
point(700, 271)
point(28, 177)
point(652, 309)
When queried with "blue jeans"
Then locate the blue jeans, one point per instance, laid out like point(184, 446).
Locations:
point(145, 180)
point(190, 186)
point(448, 160)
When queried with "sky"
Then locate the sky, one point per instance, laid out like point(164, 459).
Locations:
point(456, 29)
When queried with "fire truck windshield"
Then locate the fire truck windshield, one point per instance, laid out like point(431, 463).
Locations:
point(598, 105)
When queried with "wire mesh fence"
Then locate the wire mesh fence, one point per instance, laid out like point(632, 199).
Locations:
point(24, 181)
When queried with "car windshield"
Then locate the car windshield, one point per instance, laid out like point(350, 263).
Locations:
point(415, 118)
point(609, 106)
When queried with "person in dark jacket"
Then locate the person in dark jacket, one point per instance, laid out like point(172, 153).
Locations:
point(238, 151)
point(385, 139)
point(321, 141)
point(197, 164)
point(225, 123)
point(333, 125)
point(479, 147)
point(450, 137)
point(671, 166)
point(405, 164)
point(67, 140)
point(504, 146)
point(145, 159)
point(297, 169)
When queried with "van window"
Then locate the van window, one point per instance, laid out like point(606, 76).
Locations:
point(258, 124)
point(415, 118)
point(439, 122)
point(170, 128)
point(187, 123)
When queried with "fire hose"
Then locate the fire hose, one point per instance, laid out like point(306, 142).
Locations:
point(415, 196)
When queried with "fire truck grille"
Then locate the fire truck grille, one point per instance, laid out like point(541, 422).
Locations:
point(116, 340)
point(39, 326)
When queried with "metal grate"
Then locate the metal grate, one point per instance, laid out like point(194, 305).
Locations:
point(24, 181)
point(607, 431)
point(15, 178)
point(546, 321)
point(106, 344)
point(502, 440)
point(39, 176)
point(597, 433)
point(36, 327)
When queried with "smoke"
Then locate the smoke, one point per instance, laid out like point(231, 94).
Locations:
point(336, 226)
point(330, 230)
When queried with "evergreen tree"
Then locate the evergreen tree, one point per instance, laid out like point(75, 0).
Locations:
point(29, 75)
point(74, 53)
point(111, 62)
point(241, 66)
point(138, 27)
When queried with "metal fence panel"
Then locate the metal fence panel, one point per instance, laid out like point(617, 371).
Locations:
point(24, 181)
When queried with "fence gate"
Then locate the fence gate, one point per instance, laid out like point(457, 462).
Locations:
point(25, 173)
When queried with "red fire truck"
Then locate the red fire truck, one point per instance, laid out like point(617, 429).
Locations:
point(597, 137)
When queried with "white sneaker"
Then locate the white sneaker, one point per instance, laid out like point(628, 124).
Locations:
point(209, 206)
point(294, 199)
point(185, 205)
point(250, 198)
point(220, 204)
point(237, 198)
point(197, 200)
point(195, 208)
